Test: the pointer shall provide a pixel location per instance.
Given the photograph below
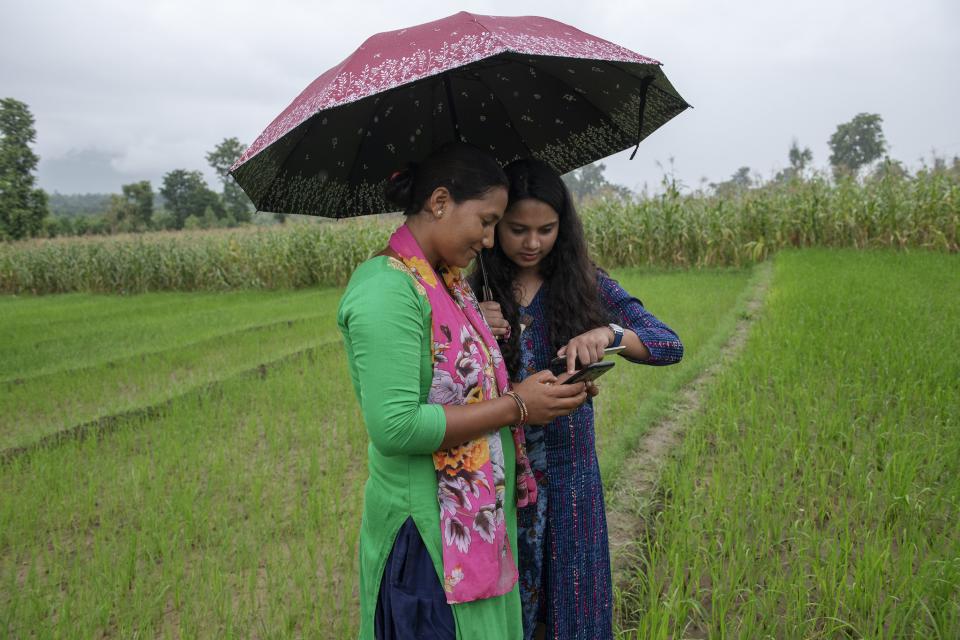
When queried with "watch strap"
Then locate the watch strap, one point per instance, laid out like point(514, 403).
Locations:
point(617, 334)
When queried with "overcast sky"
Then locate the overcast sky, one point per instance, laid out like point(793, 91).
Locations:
point(126, 91)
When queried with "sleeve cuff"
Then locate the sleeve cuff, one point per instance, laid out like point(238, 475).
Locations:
point(434, 425)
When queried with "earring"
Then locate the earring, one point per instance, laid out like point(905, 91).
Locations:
point(438, 214)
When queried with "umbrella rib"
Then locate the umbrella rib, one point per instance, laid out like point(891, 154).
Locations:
point(445, 79)
point(356, 158)
point(269, 190)
point(513, 126)
point(325, 183)
point(583, 96)
point(644, 89)
point(653, 85)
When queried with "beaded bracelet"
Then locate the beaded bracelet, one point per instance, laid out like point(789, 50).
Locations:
point(520, 405)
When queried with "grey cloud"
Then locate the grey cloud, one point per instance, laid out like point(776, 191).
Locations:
point(137, 89)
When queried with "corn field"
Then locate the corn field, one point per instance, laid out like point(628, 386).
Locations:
point(672, 229)
point(748, 226)
point(282, 257)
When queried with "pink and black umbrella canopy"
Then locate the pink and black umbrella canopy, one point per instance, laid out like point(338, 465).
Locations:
point(514, 86)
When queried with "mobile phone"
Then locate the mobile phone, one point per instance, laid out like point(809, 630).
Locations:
point(590, 372)
point(561, 361)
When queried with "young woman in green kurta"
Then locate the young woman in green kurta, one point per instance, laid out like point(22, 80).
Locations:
point(452, 200)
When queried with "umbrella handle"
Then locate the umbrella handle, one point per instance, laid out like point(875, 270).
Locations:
point(485, 292)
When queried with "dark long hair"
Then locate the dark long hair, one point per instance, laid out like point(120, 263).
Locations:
point(570, 297)
point(466, 171)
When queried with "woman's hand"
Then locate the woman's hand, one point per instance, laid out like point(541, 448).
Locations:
point(587, 347)
point(499, 326)
point(593, 389)
point(547, 399)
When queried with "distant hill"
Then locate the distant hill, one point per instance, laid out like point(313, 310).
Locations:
point(70, 205)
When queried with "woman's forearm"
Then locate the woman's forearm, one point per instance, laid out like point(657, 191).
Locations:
point(634, 347)
point(470, 421)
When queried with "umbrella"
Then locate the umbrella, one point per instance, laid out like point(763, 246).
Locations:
point(515, 86)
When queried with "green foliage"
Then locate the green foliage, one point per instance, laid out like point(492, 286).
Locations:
point(163, 220)
point(739, 181)
point(78, 204)
point(889, 169)
point(235, 201)
point(588, 183)
point(140, 196)
point(22, 207)
point(185, 193)
point(133, 210)
point(799, 159)
point(856, 144)
point(585, 180)
point(129, 353)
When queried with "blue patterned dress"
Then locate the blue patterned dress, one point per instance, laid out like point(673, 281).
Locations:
point(562, 540)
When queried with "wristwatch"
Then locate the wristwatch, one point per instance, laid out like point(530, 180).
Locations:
point(617, 334)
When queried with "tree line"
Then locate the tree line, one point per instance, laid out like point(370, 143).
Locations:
point(858, 149)
point(187, 202)
point(184, 198)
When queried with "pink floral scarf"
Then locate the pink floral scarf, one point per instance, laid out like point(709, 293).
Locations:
point(468, 368)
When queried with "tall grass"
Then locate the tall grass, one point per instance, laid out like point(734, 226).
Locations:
point(288, 257)
point(746, 226)
point(736, 229)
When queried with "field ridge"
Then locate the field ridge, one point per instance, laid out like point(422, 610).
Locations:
point(633, 499)
point(128, 357)
point(108, 423)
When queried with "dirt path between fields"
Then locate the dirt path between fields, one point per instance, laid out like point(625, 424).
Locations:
point(634, 499)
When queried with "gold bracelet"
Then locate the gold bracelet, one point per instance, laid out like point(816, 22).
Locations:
point(520, 405)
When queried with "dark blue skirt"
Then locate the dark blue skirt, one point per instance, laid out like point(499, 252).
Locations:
point(412, 604)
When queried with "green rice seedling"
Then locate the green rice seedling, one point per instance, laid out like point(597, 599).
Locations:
point(46, 334)
point(235, 511)
point(634, 396)
point(44, 405)
point(816, 494)
point(69, 361)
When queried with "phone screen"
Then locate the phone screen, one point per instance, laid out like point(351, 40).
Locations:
point(590, 372)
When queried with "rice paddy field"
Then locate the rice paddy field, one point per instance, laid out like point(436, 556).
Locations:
point(180, 465)
point(817, 494)
point(231, 508)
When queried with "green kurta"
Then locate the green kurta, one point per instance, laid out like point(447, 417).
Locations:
point(386, 327)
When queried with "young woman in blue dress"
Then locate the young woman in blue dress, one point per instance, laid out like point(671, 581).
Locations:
point(550, 300)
